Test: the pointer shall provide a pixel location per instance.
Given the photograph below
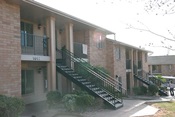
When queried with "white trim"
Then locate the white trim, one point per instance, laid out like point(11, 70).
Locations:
point(34, 58)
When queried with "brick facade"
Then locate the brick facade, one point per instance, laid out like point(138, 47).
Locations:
point(168, 70)
point(10, 49)
point(97, 55)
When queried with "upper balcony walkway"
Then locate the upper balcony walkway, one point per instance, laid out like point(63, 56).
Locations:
point(34, 45)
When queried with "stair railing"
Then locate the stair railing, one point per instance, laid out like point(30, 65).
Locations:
point(86, 70)
point(100, 72)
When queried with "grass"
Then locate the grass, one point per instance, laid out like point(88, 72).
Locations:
point(167, 109)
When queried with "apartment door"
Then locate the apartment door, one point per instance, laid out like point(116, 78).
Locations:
point(128, 82)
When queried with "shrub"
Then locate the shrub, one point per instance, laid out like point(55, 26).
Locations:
point(142, 90)
point(136, 90)
point(79, 100)
point(152, 89)
point(53, 98)
point(85, 100)
point(11, 106)
point(69, 101)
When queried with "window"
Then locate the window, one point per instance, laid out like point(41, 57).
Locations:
point(100, 42)
point(27, 81)
point(26, 34)
point(118, 53)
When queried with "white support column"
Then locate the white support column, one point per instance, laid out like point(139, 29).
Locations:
point(69, 38)
point(50, 24)
point(132, 73)
point(69, 44)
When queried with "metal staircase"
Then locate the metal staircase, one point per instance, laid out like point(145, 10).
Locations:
point(87, 77)
point(149, 81)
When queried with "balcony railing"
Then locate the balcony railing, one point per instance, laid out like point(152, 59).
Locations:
point(33, 44)
point(128, 64)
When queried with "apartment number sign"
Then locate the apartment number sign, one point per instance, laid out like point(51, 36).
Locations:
point(36, 58)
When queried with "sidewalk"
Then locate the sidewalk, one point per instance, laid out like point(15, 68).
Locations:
point(133, 107)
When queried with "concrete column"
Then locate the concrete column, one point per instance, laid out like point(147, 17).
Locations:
point(51, 66)
point(69, 38)
point(132, 73)
point(136, 60)
point(151, 69)
point(69, 46)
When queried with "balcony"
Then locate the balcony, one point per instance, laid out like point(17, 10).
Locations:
point(33, 44)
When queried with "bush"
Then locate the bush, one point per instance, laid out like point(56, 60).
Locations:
point(69, 101)
point(53, 98)
point(152, 89)
point(136, 90)
point(79, 100)
point(84, 100)
point(11, 106)
point(142, 90)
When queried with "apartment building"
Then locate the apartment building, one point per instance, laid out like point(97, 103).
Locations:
point(162, 65)
point(32, 36)
point(125, 60)
point(30, 33)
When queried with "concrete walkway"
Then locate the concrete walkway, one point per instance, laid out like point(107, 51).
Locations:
point(133, 107)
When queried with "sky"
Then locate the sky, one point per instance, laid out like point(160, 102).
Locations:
point(117, 16)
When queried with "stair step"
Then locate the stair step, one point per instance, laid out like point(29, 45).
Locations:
point(95, 89)
point(109, 98)
point(114, 102)
point(104, 95)
point(77, 77)
point(70, 71)
point(60, 66)
point(85, 83)
point(90, 85)
point(66, 69)
point(73, 74)
point(82, 80)
point(100, 92)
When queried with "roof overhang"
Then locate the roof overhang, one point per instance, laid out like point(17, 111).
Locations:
point(37, 12)
point(128, 46)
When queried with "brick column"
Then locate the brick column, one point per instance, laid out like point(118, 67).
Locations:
point(10, 49)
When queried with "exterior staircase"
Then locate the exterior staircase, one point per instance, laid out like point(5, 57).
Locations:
point(152, 81)
point(94, 81)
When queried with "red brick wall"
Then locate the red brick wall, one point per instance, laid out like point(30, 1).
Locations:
point(10, 50)
point(166, 71)
point(110, 57)
point(97, 55)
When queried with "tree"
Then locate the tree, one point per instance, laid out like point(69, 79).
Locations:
point(160, 6)
point(164, 42)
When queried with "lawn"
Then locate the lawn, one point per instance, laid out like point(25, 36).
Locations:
point(167, 109)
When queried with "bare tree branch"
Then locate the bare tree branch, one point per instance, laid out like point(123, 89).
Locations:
point(148, 30)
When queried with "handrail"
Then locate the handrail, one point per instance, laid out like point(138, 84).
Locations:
point(103, 74)
point(88, 68)
point(153, 77)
